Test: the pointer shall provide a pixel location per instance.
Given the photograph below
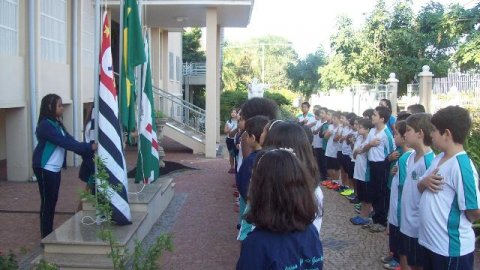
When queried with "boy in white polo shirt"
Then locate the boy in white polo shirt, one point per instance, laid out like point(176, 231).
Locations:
point(450, 198)
point(380, 145)
point(417, 136)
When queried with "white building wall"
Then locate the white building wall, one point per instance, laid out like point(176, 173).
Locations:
point(3, 153)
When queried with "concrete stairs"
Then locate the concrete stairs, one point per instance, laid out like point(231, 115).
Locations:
point(185, 136)
point(77, 246)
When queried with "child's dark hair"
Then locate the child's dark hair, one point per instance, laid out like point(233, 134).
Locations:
point(454, 118)
point(416, 108)
point(401, 127)
point(422, 121)
point(306, 104)
point(259, 106)
point(291, 135)
point(281, 193)
point(368, 113)
point(384, 112)
point(48, 107)
point(336, 114)
point(366, 123)
point(403, 115)
point(317, 112)
point(351, 118)
point(387, 102)
point(254, 126)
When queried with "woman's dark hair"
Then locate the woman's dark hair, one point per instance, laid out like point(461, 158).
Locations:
point(48, 107)
point(403, 115)
point(291, 135)
point(454, 118)
point(281, 193)
point(416, 108)
point(254, 126)
point(368, 113)
point(259, 106)
point(389, 104)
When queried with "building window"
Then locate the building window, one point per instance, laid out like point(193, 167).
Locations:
point(53, 30)
point(88, 20)
point(171, 67)
point(9, 27)
point(179, 69)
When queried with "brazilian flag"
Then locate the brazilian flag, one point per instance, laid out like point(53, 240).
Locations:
point(133, 55)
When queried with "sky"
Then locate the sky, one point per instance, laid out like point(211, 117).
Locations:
point(310, 23)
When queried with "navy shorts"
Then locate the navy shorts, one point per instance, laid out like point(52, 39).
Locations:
point(394, 240)
point(231, 146)
point(347, 164)
point(434, 261)
point(411, 248)
point(332, 163)
point(364, 191)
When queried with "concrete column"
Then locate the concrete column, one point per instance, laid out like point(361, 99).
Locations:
point(211, 100)
point(393, 90)
point(155, 55)
point(164, 65)
point(426, 88)
point(18, 147)
point(219, 77)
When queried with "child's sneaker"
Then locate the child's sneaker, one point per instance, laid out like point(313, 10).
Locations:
point(386, 259)
point(377, 228)
point(347, 192)
point(326, 183)
point(358, 220)
point(393, 264)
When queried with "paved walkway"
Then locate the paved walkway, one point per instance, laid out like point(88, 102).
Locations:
point(203, 223)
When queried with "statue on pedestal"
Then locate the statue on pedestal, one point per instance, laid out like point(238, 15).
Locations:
point(256, 89)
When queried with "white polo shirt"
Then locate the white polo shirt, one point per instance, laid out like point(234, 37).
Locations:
point(332, 147)
point(396, 189)
point(381, 151)
point(410, 214)
point(360, 171)
point(346, 149)
point(444, 227)
point(317, 141)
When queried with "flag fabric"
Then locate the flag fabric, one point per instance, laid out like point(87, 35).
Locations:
point(133, 55)
point(148, 161)
point(109, 135)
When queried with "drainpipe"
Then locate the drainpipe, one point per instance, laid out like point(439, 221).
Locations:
point(75, 73)
point(32, 54)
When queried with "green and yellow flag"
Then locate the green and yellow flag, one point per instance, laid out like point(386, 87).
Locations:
point(133, 55)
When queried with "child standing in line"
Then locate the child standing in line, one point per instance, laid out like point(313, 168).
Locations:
point(230, 130)
point(417, 136)
point(253, 129)
point(290, 135)
point(346, 165)
point(399, 172)
point(380, 144)
point(333, 166)
point(282, 208)
point(323, 130)
point(450, 200)
point(317, 141)
point(306, 118)
point(361, 173)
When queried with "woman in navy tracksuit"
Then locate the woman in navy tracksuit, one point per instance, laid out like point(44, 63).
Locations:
point(49, 156)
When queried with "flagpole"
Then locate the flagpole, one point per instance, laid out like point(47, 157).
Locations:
point(96, 81)
point(120, 72)
point(140, 70)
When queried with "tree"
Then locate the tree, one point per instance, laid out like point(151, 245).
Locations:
point(191, 47)
point(304, 74)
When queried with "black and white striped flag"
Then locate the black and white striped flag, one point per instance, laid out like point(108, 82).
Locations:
point(109, 134)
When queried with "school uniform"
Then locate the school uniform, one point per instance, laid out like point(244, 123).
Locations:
point(331, 150)
point(361, 172)
point(346, 152)
point(49, 156)
point(264, 249)
point(410, 200)
point(379, 172)
point(317, 148)
point(445, 231)
point(395, 209)
point(323, 159)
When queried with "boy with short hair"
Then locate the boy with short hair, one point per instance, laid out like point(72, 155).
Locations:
point(380, 144)
point(331, 151)
point(306, 118)
point(417, 136)
point(317, 142)
point(450, 200)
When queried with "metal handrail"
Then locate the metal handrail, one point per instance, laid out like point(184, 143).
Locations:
point(194, 69)
point(182, 112)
